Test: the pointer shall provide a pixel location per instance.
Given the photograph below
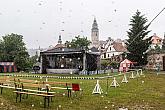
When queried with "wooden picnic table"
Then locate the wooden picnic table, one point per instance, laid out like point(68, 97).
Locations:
point(44, 94)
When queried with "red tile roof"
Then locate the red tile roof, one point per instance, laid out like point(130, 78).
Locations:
point(119, 47)
point(59, 46)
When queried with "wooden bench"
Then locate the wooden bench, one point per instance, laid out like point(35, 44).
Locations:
point(73, 87)
point(7, 82)
point(46, 95)
point(53, 85)
point(27, 81)
point(8, 87)
point(59, 85)
point(33, 89)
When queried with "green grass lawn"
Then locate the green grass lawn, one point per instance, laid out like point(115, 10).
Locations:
point(143, 93)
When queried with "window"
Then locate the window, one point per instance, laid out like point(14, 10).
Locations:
point(104, 55)
point(108, 55)
point(110, 48)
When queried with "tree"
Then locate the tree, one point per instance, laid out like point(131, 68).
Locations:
point(104, 64)
point(22, 61)
point(45, 64)
point(79, 43)
point(163, 44)
point(12, 49)
point(157, 48)
point(114, 64)
point(33, 60)
point(138, 44)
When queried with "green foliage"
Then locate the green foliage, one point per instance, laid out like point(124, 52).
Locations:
point(137, 44)
point(32, 61)
point(22, 60)
point(79, 43)
point(45, 64)
point(163, 44)
point(114, 64)
point(12, 49)
point(104, 64)
point(157, 48)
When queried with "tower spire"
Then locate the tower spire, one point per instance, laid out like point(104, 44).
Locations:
point(95, 34)
point(94, 25)
point(59, 40)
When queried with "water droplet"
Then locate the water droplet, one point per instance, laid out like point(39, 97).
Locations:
point(82, 4)
point(70, 10)
point(59, 106)
point(39, 4)
point(18, 10)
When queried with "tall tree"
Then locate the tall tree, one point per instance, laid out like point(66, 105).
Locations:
point(12, 49)
point(163, 44)
point(138, 44)
point(79, 42)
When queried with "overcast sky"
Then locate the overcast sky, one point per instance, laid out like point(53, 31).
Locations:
point(41, 21)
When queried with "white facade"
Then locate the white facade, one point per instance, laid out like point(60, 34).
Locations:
point(110, 53)
point(112, 48)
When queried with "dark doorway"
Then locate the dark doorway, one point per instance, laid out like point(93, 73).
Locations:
point(163, 63)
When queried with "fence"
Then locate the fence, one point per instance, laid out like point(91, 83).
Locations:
point(97, 72)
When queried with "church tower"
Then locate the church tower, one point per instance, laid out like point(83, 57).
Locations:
point(59, 40)
point(95, 34)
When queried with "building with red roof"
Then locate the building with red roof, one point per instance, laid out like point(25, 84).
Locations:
point(156, 41)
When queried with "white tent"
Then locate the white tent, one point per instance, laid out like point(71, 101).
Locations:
point(124, 65)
